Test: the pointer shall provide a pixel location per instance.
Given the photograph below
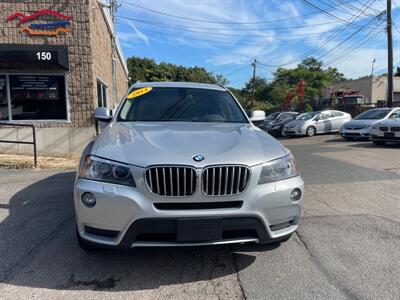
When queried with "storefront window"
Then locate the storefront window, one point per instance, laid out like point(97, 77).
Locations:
point(3, 99)
point(38, 97)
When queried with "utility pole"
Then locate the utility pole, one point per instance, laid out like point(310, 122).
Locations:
point(390, 54)
point(253, 92)
point(373, 64)
point(113, 11)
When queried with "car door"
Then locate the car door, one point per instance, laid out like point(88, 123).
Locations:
point(323, 122)
point(338, 118)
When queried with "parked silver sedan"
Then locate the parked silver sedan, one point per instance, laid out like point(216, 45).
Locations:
point(316, 122)
point(360, 126)
point(386, 131)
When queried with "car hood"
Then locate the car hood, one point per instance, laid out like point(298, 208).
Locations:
point(389, 122)
point(278, 124)
point(145, 144)
point(295, 123)
point(267, 123)
point(355, 123)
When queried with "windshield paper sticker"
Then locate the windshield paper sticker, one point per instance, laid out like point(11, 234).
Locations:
point(139, 92)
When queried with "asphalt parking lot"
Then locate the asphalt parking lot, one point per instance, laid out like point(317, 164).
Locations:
point(347, 246)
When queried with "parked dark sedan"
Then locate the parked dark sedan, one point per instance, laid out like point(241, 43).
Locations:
point(275, 128)
point(273, 117)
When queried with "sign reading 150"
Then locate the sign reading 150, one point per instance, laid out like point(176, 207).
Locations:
point(43, 55)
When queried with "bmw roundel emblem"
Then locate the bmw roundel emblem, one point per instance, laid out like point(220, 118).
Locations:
point(198, 157)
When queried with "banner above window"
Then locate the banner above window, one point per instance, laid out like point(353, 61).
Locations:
point(41, 54)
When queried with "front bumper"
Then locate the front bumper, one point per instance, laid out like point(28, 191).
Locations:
point(275, 131)
point(355, 133)
point(126, 217)
point(293, 131)
point(394, 139)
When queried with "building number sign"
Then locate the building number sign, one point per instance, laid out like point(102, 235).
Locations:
point(43, 56)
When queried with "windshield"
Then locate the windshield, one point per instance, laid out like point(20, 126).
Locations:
point(162, 104)
point(307, 116)
point(272, 116)
point(373, 114)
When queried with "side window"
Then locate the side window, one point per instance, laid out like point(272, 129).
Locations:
point(286, 115)
point(395, 114)
point(101, 94)
point(324, 116)
point(336, 114)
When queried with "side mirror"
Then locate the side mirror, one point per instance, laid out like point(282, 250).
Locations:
point(257, 115)
point(103, 114)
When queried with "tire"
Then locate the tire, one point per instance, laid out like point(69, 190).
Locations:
point(311, 131)
point(84, 245)
point(379, 143)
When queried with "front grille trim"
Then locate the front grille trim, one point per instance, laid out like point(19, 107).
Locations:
point(384, 128)
point(198, 205)
point(395, 128)
point(189, 188)
point(227, 192)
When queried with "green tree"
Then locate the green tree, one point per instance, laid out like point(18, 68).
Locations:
point(311, 71)
point(145, 69)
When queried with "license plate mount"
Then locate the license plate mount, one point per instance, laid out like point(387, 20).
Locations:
point(388, 134)
point(199, 230)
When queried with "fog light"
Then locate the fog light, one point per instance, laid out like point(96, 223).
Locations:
point(295, 195)
point(88, 199)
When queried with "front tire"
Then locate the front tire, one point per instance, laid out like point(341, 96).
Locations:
point(379, 143)
point(311, 131)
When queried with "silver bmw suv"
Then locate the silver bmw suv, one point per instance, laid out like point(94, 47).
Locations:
point(180, 164)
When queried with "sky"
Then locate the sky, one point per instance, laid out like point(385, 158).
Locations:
point(225, 36)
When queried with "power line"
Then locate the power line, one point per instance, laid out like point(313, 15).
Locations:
point(226, 67)
point(355, 8)
point(362, 4)
point(329, 14)
point(338, 8)
point(215, 22)
point(348, 38)
point(330, 38)
point(225, 29)
point(352, 48)
point(236, 70)
point(233, 34)
point(345, 55)
point(219, 40)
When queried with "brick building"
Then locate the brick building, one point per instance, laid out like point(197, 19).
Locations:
point(56, 67)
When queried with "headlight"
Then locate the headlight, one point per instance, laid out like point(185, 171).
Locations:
point(366, 126)
point(94, 168)
point(276, 127)
point(279, 169)
point(375, 127)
